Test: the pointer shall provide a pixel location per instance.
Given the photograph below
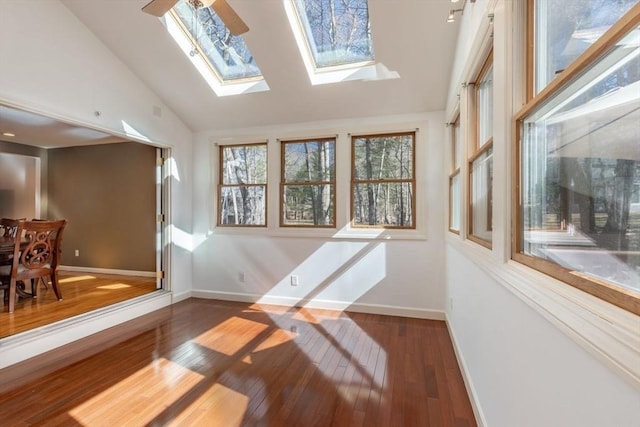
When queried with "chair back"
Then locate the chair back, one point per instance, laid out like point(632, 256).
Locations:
point(8, 227)
point(42, 250)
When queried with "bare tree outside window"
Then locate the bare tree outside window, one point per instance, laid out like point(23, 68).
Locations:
point(383, 180)
point(338, 32)
point(243, 185)
point(308, 183)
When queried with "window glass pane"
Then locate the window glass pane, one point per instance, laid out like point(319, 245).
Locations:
point(454, 195)
point(384, 157)
point(481, 195)
point(564, 29)
point(581, 171)
point(243, 205)
point(228, 54)
point(383, 204)
point(485, 108)
point(309, 205)
point(457, 147)
point(309, 161)
point(337, 31)
point(246, 164)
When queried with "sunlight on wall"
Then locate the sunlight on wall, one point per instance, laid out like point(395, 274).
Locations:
point(341, 271)
point(133, 133)
point(184, 240)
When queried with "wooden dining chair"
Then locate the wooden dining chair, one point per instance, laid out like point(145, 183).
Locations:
point(35, 255)
point(8, 228)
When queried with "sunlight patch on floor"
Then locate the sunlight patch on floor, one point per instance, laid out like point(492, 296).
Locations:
point(230, 336)
point(147, 393)
point(114, 286)
point(75, 279)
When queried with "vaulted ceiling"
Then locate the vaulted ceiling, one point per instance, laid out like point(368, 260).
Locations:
point(410, 37)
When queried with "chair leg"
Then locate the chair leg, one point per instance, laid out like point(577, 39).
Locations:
point(12, 295)
point(54, 285)
point(34, 287)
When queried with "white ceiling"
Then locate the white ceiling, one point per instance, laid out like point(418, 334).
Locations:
point(411, 37)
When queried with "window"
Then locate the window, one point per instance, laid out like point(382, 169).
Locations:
point(242, 185)
point(383, 180)
point(334, 40)
point(560, 38)
point(579, 166)
point(454, 177)
point(224, 60)
point(481, 160)
point(336, 32)
point(308, 183)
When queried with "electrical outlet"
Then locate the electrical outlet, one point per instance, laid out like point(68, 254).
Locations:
point(241, 277)
point(294, 280)
point(77, 252)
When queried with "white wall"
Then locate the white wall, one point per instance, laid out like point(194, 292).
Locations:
point(524, 370)
point(529, 360)
point(53, 65)
point(395, 273)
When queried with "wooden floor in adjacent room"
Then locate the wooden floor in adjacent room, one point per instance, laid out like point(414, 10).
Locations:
point(81, 293)
point(213, 363)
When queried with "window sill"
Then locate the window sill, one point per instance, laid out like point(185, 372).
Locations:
point(345, 233)
point(608, 332)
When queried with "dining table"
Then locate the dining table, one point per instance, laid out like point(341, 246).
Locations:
point(7, 244)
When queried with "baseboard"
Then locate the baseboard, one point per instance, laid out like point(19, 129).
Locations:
point(180, 297)
point(471, 391)
point(107, 271)
point(388, 310)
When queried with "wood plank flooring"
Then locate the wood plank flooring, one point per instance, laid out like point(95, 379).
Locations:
point(214, 363)
point(81, 293)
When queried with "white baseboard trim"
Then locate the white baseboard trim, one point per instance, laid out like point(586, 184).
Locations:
point(388, 310)
point(23, 346)
point(466, 376)
point(181, 296)
point(108, 271)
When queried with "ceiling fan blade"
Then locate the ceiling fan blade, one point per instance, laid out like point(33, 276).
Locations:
point(230, 18)
point(159, 7)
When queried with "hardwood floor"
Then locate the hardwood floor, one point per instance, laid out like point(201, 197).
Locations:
point(81, 293)
point(215, 363)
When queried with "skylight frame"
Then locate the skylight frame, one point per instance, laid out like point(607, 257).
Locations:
point(364, 70)
point(221, 86)
point(309, 51)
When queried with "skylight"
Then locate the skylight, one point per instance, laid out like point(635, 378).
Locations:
point(336, 32)
point(224, 60)
point(334, 39)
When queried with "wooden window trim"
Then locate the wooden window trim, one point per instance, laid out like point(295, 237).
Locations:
point(411, 181)
point(478, 150)
point(221, 186)
point(284, 183)
point(619, 296)
point(486, 243)
point(455, 173)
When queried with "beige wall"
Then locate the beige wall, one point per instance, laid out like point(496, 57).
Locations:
point(28, 150)
point(107, 194)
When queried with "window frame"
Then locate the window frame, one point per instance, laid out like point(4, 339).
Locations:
point(284, 183)
point(411, 181)
point(601, 289)
point(479, 148)
point(456, 143)
point(221, 185)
